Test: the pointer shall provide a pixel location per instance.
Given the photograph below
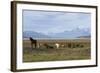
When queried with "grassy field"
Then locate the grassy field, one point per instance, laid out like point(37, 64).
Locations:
point(76, 49)
point(44, 54)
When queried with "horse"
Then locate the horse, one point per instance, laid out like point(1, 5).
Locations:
point(33, 42)
point(57, 45)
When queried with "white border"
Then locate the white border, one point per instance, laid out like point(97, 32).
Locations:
point(21, 65)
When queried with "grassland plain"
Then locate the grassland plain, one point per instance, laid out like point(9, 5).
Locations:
point(54, 54)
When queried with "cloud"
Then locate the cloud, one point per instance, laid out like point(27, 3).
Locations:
point(54, 22)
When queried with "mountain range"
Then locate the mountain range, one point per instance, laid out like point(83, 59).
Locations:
point(76, 33)
point(27, 34)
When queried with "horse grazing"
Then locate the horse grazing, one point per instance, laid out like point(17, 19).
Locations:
point(57, 45)
point(33, 42)
point(48, 46)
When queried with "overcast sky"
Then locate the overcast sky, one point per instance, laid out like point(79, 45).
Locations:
point(54, 22)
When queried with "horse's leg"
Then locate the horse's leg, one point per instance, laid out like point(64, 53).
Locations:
point(35, 45)
point(31, 45)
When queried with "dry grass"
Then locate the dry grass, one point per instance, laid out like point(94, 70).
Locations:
point(40, 54)
point(53, 54)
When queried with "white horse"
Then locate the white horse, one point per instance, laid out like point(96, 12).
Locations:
point(57, 45)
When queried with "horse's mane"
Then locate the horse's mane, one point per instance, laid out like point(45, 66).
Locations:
point(32, 39)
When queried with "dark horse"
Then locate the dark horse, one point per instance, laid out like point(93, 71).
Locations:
point(33, 42)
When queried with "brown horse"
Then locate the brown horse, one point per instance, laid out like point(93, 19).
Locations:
point(33, 42)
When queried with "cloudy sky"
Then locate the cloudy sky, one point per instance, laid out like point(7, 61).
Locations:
point(54, 22)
